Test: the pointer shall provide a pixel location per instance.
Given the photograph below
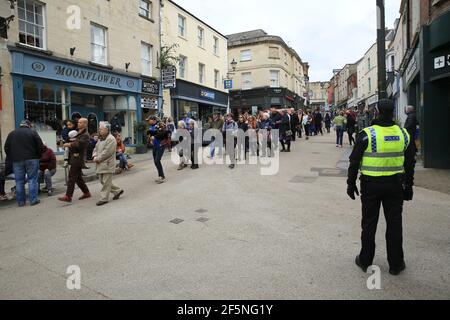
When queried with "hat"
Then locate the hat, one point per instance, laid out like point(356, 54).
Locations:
point(25, 123)
point(151, 118)
point(385, 106)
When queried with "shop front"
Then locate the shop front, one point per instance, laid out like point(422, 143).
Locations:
point(434, 93)
point(49, 90)
point(197, 102)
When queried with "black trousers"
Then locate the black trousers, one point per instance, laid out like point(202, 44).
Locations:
point(76, 177)
point(389, 193)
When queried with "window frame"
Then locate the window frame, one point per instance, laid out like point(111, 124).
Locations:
point(24, 20)
point(247, 59)
point(149, 11)
point(150, 62)
point(216, 78)
point(201, 73)
point(247, 83)
point(201, 37)
point(183, 75)
point(105, 45)
point(184, 20)
point(216, 45)
point(277, 72)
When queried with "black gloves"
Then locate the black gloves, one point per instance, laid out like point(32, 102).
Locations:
point(408, 193)
point(351, 190)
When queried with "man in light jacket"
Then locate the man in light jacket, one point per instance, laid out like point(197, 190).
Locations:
point(105, 158)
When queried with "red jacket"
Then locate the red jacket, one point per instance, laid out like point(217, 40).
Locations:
point(48, 160)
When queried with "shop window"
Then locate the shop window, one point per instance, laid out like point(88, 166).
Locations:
point(121, 103)
point(31, 23)
point(108, 103)
point(92, 123)
point(30, 91)
point(47, 93)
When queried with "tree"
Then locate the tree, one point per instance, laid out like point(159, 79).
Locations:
point(168, 55)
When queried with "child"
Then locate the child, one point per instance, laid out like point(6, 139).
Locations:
point(72, 135)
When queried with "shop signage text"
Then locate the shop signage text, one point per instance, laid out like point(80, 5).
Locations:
point(150, 87)
point(169, 76)
point(442, 62)
point(207, 95)
point(228, 84)
point(69, 72)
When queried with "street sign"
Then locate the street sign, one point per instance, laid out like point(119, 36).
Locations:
point(169, 76)
point(228, 84)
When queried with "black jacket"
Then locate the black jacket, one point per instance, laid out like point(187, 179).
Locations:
point(24, 144)
point(411, 125)
point(78, 149)
point(362, 142)
point(294, 120)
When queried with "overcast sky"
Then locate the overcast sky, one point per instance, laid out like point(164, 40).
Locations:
point(326, 33)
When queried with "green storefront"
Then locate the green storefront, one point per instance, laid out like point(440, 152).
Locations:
point(434, 98)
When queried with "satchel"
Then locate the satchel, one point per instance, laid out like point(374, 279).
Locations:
point(289, 133)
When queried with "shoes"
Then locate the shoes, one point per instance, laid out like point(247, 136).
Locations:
point(101, 203)
point(181, 167)
point(231, 166)
point(85, 196)
point(65, 199)
point(396, 272)
point(85, 167)
point(195, 167)
point(35, 203)
point(117, 197)
point(359, 264)
point(50, 193)
point(130, 166)
point(160, 180)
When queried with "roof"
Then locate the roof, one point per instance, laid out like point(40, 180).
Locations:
point(247, 35)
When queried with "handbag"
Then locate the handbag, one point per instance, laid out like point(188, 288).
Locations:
point(289, 133)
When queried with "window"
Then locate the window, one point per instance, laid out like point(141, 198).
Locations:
point(145, 9)
point(201, 36)
point(368, 63)
point(146, 59)
point(286, 78)
point(216, 46)
point(274, 79)
point(246, 55)
point(285, 58)
point(246, 81)
point(181, 26)
point(201, 73)
point(98, 44)
point(274, 53)
point(31, 23)
point(370, 85)
point(182, 64)
point(216, 79)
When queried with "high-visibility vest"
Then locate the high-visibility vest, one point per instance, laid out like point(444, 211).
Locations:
point(385, 153)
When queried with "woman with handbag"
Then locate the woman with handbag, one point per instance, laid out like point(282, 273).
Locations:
point(159, 137)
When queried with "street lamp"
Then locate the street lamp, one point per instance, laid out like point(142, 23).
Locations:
point(233, 65)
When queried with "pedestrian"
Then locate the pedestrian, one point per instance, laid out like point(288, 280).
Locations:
point(159, 137)
point(328, 122)
point(242, 141)
point(411, 124)
point(339, 124)
point(70, 137)
point(300, 116)
point(182, 153)
point(318, 123)
point(215, 124)
point(47, 169)
point(5, 171)
point(105, 160)
point(351, 123)
point(361, 120)
point(229, 131)
point(385, 156)
point(294, 123)
point(285, 132)
point(78, 150)
point(92, 142)
point(121, 155)
point(265, 135)
point(24, 147)
point(171, 128)
point(306, 124)
point(194, 145)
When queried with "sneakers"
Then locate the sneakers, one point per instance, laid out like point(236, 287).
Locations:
point(35, 203)
point(65, 199)
point(101, 203)
point(160, 180)
point(85, 196)
point(130, 166)
point(181, 166)
point(50, 192)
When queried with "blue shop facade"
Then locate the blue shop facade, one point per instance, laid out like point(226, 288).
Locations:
point(49, 90)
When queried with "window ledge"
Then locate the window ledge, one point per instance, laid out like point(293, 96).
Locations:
point(96, 64)
point(26, 46)
point(184, 38)
point(201, 47)
point(147, 18)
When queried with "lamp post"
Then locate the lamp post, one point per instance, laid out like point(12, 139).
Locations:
point(230, 77)
point(381, 48)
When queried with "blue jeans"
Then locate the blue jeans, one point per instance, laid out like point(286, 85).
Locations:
point(157, 156)
point(339, 136)
point(123, 161)
point(30, 169)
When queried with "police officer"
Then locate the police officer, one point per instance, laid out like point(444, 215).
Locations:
point(385, 156)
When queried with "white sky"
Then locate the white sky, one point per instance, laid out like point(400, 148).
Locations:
point(326, 33)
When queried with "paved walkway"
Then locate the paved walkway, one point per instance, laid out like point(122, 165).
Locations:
point(216, 233)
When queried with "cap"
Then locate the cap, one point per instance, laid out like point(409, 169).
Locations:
point(385, 106)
